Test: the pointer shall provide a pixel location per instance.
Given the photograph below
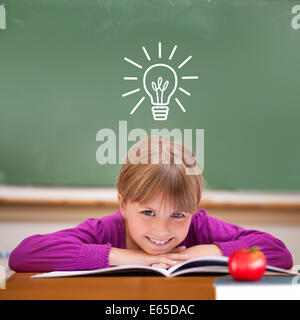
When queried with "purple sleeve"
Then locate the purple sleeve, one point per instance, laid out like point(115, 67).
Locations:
point(79, 248)
point(229, 237)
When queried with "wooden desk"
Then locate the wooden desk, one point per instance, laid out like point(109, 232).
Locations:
point(21, 287)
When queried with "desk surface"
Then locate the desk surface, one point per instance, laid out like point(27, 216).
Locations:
point(21, 286)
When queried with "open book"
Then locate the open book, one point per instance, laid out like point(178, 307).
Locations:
point(201, 265)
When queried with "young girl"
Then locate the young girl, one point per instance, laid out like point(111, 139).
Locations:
point(159, 191)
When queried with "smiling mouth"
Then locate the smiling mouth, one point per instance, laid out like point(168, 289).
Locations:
point(158, 242)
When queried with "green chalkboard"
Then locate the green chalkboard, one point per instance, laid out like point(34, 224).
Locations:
point(62, 72)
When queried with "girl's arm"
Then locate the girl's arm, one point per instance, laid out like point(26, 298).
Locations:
point(120, 257)
point(216, 235)
point(78, 248)
point(81, 248)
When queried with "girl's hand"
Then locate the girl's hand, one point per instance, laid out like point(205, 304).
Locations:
point(202, 250)
point(166, 266)
point(194, 252)
point(178, 249)
point(119, 257)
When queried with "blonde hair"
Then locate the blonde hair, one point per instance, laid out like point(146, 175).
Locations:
point(157, 166)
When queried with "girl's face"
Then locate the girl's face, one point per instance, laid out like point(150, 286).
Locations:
point(154, 227)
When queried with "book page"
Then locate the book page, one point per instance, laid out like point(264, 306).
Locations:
point(211, 269)
point(270, 270)
point(123, 269)
point(200, 262)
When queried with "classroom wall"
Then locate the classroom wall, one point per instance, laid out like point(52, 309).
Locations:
point(63, 62)
point(19, 221)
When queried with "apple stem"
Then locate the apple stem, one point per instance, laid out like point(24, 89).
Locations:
point(255, 248)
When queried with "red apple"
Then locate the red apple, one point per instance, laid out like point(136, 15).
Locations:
point(247, 264)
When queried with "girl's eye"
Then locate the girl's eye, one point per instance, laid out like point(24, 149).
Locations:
point(178, 215)
point(150, 213)
point(147, 212)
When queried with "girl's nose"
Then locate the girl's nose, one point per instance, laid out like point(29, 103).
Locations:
point(161, 229)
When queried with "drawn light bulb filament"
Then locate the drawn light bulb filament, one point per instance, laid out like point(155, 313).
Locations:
point(157, 87)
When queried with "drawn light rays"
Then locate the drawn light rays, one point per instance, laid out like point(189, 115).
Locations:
point(159, 56)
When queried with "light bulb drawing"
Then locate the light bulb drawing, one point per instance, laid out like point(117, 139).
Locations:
point(161, 90)
point(160, 82)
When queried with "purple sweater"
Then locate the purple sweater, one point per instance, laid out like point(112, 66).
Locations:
point(87, 246)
